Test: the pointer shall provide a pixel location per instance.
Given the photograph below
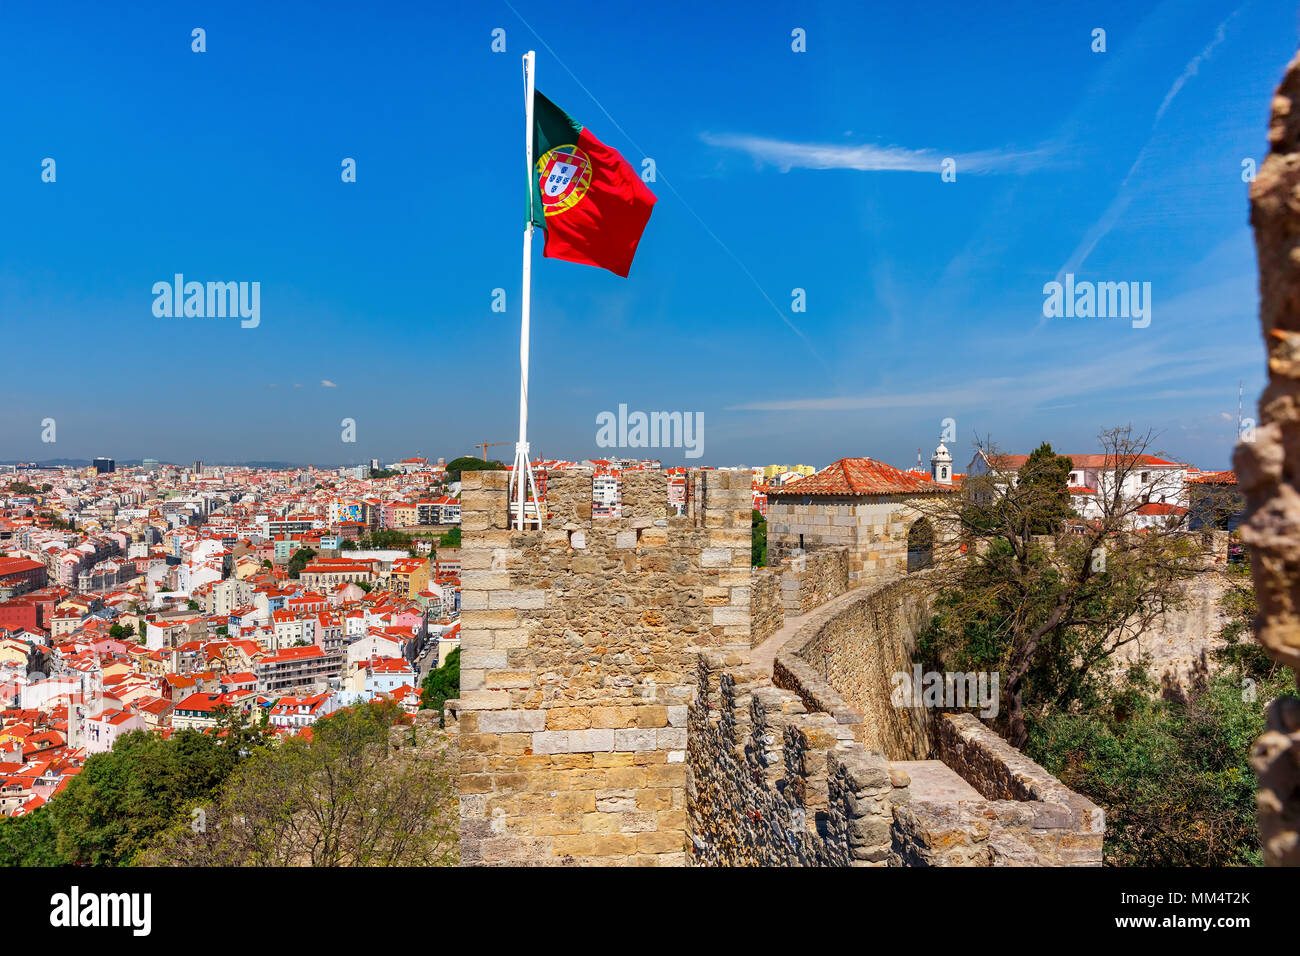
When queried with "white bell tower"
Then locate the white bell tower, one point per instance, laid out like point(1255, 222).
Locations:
point(941, 465)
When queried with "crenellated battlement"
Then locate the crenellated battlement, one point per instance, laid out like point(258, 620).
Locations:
point(578, 645)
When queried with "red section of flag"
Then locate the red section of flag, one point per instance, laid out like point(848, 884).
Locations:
point(595, 211)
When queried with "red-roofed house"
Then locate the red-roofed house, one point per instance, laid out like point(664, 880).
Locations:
point(156, 712)
point(859, 504)
point(102, 730)
point(383, 676)
point(19, 575)
point(302, 711)
point(198, 711)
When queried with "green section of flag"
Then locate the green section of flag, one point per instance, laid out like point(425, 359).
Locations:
point(552, 127)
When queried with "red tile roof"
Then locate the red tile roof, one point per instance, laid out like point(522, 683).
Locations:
point(294, 653)
point(202, 702)
point(10, 565)
point(1216, 478)
point(1161, 508)
point(860, 476)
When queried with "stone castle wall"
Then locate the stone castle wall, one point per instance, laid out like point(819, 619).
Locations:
point(843, 657)
point(766, 615)
point(578, 648)
point(810, 580)
point(873, 531)
point(1028, 817)
point(772, 783)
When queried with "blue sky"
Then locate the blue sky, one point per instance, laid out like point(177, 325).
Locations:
point(778, 170)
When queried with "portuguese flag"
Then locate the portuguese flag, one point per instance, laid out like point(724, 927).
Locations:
point(586, 197)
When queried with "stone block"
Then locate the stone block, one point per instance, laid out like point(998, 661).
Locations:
point(652, 716)
point(590, 741)
point(551, 742)
point(671, 738)
point(715, 558)
point(483, 581)
point(526, 600)
point(731, 615)
point(512, 721)
point(660, 841)
point(634, 739)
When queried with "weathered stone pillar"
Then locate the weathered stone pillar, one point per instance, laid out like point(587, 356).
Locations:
point(1268, 466)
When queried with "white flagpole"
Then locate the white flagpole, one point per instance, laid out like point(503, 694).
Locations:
point(523, 470)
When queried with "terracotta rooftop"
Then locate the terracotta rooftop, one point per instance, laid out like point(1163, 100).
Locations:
point(1215, 478)
point(860, 476)
point(1161, 508)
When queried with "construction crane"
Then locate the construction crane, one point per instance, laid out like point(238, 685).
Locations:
point(489, 444)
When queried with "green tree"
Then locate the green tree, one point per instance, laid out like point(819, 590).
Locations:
point(123, 798)
point(758, 540)
point(1173, 775)
point(361, 790)
point(300, 560)
point(449, 539)
point(29, 840)
point(1043, 489)
point(470, 463)
point(58, 523)
point(442, 683)
point(388, 538)
point(1240, 650)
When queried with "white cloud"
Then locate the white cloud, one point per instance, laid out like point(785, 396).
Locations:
point(326, 383)
point(786, 155)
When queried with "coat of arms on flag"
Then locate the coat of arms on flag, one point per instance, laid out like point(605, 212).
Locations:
point(566, 173)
